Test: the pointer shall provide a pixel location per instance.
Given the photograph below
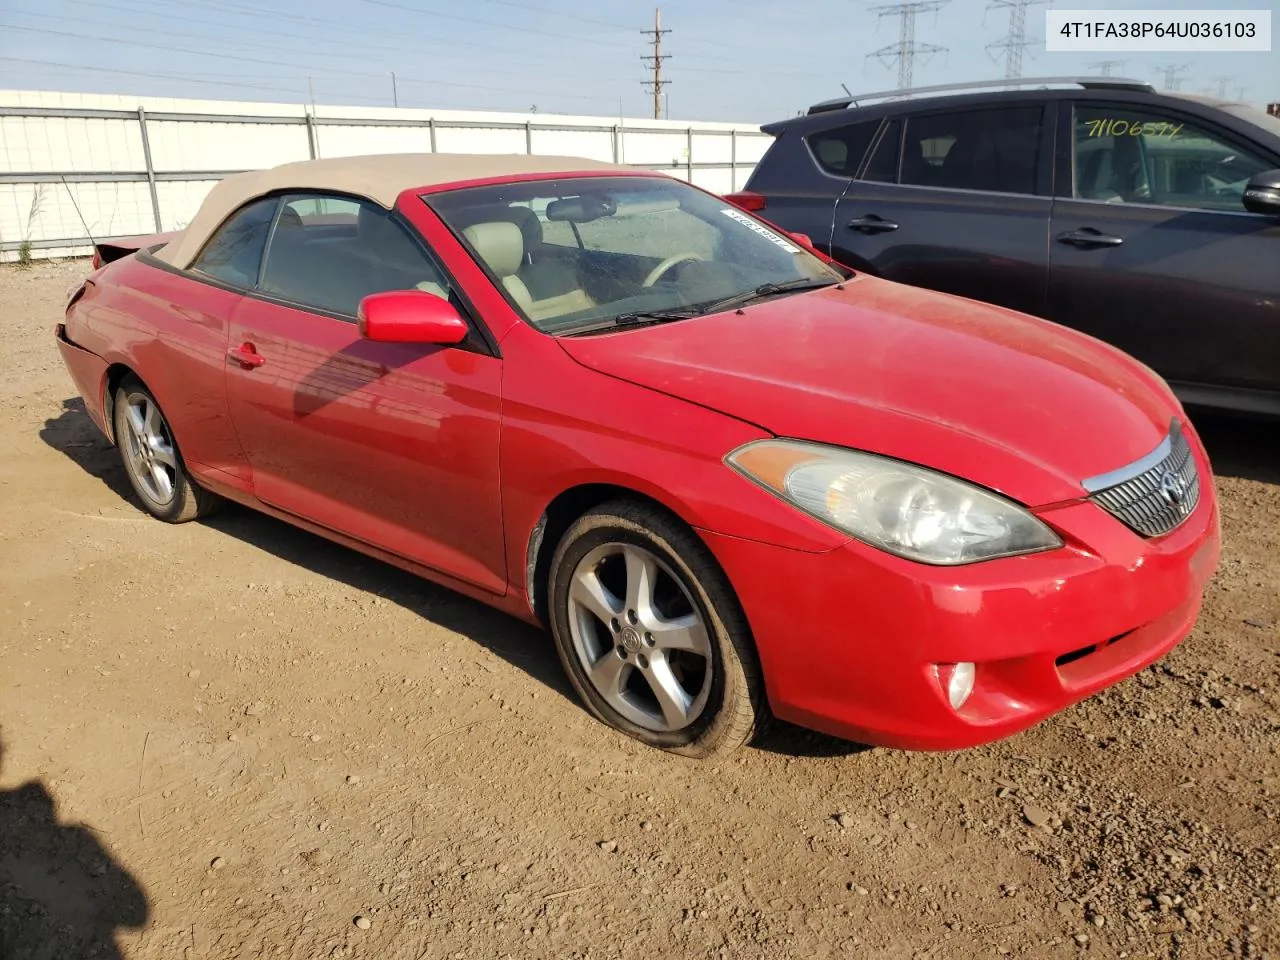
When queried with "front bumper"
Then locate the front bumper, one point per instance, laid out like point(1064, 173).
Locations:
point(850, 640)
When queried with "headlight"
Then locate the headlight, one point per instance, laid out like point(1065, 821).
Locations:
point(901, 508)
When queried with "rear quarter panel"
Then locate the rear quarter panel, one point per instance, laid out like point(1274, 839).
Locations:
point(171, 332)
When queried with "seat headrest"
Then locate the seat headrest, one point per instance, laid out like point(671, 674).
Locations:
point(289, 218)
point(500, 245)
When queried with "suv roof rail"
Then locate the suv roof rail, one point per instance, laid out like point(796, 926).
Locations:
point(1087, 83)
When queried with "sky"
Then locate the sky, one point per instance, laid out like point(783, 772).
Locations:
point(731, 60)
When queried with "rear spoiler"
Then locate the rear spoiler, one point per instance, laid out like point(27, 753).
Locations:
point(115, 248)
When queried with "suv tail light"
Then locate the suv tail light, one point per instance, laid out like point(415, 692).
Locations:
point(751, 202)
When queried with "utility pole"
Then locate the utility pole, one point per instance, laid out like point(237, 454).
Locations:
point(311, 89)
point(395, 95)
point(1222, 86)
point(1017, 39)
point(657, 84)
point(1105, 67)
point(1172, 74)
point(905, 51)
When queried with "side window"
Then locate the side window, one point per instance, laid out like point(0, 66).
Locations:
point(1144, 156)
point(840, 151)
point(234, 253)
point(997, 151)
point(883, 167)
point(332, 252)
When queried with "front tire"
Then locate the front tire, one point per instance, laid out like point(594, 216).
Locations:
point(152, 460)
point(650, 633)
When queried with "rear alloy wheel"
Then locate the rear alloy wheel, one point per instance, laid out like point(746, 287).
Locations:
point(650, 633)
point(152, 460)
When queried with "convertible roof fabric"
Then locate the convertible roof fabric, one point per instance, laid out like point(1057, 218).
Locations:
point(380, 178)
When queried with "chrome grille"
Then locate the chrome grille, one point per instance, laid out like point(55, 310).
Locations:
point(1155, 494)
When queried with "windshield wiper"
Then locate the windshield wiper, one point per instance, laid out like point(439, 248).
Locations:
point(765, 290)
point(638, 317)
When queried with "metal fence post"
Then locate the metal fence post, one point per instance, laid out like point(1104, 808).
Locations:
point(311, 136)
point(528, 137)
point(151, 170)
point(431, 132)
point(733, 161)
point(689, 153)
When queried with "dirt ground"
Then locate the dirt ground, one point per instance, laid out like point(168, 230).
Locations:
point(233, 739)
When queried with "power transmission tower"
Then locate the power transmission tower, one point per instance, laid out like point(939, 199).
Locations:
point(1105, 67)
point(1222, 86)
point(1172, 71)
point(657, 84)
point(906, 49)
point(1017, 39)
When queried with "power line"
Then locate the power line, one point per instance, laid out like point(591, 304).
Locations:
point(300, 66)
point(237, 43)
point(905, 51)
point(1106, 67)
point(296, 91)
point(657, 84)
point(1173, 75)
point(1017, 40)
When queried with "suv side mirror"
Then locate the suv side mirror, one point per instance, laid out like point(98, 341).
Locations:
point(410, 316)
point(1262, 195)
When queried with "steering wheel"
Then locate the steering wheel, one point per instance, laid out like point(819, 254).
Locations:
point(665, 266)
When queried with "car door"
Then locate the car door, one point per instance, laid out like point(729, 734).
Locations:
point(178, 325)
point(1154, 252)
point(394, 444)
point(802, 176)
point(956, 200)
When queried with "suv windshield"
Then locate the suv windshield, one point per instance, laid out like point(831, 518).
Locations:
point(577, 253)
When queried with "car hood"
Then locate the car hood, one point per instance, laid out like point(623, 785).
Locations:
point(1016, 404)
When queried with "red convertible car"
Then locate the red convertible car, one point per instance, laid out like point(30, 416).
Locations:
point(734, 481)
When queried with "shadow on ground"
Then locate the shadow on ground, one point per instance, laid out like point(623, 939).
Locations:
point(74, 435)
point(62, 895)
point(523, 646)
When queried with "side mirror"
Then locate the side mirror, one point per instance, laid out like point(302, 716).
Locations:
point(410, 316)
point(1262, 195)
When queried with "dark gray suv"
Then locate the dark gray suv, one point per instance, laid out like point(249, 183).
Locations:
point(1148, 220)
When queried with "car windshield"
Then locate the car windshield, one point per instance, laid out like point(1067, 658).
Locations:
point(588, 252)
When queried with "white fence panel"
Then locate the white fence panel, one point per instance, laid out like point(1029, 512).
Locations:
point(136, 165)
point(178, 145)
point(479, 140)
point(70, 145)
point(353, 141)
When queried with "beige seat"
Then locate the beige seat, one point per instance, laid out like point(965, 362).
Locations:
point(500, 244)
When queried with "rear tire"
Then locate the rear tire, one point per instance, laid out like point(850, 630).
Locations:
point(651, 635)
point(152, 460)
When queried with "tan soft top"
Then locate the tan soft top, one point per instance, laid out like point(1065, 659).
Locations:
point(380, 178)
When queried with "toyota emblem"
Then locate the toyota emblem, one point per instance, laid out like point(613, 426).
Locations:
point(1173, 489)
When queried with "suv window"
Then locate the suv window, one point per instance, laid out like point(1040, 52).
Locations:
point(995, 150)
point(840, 151)
point(883, 167)
point(331, 252)
point(234, 252)
point(1144, 156)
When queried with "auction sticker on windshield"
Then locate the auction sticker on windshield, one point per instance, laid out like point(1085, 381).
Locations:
point(762, 230)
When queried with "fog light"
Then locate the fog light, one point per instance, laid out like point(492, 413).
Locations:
point(958, 679)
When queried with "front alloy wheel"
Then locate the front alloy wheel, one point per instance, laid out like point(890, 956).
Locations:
point(651, 634)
